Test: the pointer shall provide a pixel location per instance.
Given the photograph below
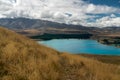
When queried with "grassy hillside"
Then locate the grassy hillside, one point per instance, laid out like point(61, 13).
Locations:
point(24, 59)
point(104, 58)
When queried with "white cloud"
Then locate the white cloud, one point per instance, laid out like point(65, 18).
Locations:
point(56, 10)
point(100, 9)
point(108, 21)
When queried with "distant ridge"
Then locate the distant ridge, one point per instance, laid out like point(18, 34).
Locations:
point(25, 23)
point(24, 59)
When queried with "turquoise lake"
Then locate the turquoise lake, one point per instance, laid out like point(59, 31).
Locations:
point(77, 46)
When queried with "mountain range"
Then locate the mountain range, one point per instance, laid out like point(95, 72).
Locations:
point(25, 23)
point(38, 26)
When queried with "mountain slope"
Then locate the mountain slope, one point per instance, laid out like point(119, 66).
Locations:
point(24, 59)
point(21, 24)
point(25, 23)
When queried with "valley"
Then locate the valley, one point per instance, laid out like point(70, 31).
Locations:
point(46, 30)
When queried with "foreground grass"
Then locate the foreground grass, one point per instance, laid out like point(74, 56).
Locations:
point(24, 59)
point(104, 58)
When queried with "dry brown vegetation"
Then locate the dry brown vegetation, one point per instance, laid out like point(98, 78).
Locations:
point(104, 58)
point(24, 59)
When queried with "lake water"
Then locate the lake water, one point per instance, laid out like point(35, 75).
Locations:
point(77, 46)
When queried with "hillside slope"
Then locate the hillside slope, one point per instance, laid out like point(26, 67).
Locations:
point(26, 23)
point(24, 59)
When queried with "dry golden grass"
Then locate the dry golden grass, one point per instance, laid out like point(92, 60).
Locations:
point(24, 59)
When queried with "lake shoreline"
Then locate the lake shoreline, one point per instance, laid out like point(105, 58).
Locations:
point(75, 46)
point(109, 59)
point(107, 40)
point(48, 36)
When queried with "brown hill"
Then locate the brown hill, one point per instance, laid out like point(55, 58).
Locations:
point(24, 59)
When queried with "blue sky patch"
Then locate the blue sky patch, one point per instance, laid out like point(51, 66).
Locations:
point(113, 3)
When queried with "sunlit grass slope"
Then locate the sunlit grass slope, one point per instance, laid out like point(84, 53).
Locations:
point(24, 59)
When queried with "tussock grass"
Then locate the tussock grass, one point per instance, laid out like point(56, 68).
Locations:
point(24, 59)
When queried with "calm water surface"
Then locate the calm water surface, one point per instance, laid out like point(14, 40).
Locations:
point(77, 46)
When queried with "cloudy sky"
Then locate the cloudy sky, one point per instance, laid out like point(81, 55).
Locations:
point(97, 13)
